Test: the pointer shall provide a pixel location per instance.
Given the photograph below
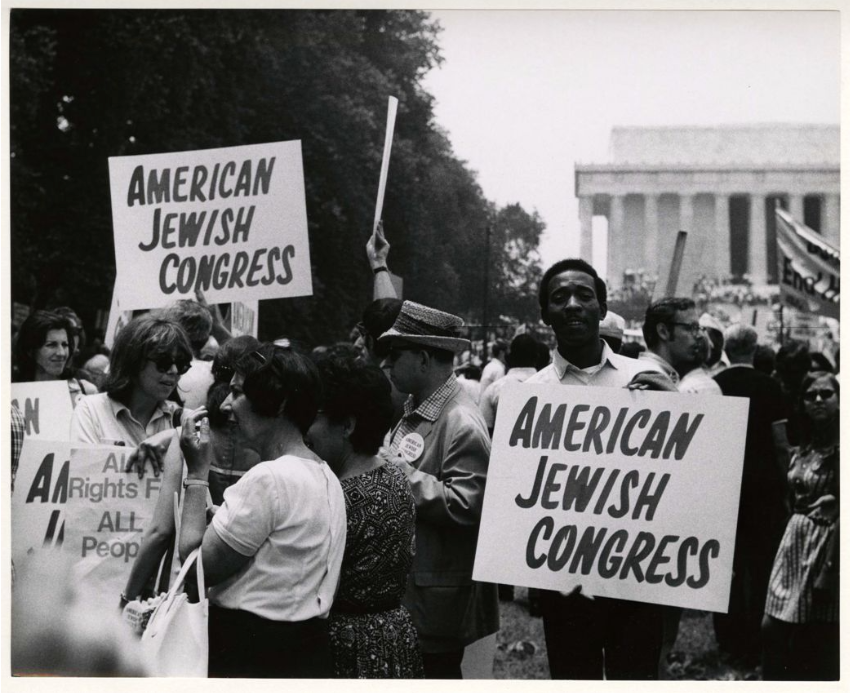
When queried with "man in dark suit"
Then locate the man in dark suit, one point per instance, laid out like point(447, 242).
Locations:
point(762, 513)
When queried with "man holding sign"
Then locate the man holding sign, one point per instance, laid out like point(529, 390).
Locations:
point(579, 629)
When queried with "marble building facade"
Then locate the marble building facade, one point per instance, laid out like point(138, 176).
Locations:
point(720, 184)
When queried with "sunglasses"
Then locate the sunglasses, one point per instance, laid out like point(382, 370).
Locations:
point(163, 364)
point(279, 346)
point(812, 395)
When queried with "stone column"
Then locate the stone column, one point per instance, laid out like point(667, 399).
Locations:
point(616, 261)
point(585, 216)
point(758, 241)
point(795, 207)
point(831, 224)
point(686, 215)
point(650, 229)
point(722, 260)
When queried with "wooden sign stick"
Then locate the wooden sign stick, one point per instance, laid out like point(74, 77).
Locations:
point(392, 106)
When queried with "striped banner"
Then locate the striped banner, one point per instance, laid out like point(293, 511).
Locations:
point(809, 268)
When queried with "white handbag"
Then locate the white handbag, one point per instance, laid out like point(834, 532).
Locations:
point(176, 640)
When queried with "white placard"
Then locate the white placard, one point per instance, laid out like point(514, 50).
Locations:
point(78, 502)
point(629, 494)
point(232, 221)
point(38, 503)
point(243, 318)
point(117, 318)
point(108, 508)
point(46, 407)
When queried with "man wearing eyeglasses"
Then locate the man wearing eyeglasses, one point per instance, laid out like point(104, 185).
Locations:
point(442, 445)
point(675, 341)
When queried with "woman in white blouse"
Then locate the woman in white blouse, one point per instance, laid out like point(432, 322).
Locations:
point(273, 550)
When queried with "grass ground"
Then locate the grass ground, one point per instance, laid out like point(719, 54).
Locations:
point(521, 648)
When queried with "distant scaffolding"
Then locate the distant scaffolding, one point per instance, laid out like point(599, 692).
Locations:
point(721, 185)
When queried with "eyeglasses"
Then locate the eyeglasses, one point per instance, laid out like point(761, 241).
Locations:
point(394, 352)
point(163, 364)
point(812, 395)
point(693, 328)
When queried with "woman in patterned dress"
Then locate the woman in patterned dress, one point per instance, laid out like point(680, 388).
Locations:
point(800, 627)
point(372, 635)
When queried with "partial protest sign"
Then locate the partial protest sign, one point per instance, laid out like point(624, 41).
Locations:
point(107, 511)
point(230, 221)
point(629, 494)
point(809, 268)
point(47, 408)
point(41, 493)
point(80, 499)
point(117, 318)
point(242, 318)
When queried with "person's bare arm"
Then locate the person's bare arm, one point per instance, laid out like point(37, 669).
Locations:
point(377, 251)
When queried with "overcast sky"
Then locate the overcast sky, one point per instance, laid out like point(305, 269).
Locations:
point(525, 95)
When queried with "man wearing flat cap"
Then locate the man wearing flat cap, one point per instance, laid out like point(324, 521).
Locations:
point(442, 445)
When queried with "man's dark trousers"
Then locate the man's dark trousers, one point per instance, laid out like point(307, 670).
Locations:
point(578, 629)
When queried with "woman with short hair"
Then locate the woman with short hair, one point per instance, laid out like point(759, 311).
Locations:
point(273, 550)
point(148, 358)
point(372, 634)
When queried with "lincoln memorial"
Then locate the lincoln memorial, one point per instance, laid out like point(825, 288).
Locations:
point(720, 184)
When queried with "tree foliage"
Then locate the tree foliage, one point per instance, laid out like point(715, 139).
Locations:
point(89, 84)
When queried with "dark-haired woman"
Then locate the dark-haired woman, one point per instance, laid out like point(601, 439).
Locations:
point(43, 351)
point(273, 550)
point(800, 628)
point(372, 635)
point(232, 458)
point(147, 360)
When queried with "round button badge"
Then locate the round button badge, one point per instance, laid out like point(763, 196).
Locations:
point(411, 447)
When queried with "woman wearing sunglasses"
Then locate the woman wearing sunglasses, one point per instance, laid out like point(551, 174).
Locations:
point(800, 628)
point(148, 358)
point(273, 550)
point(232, 458)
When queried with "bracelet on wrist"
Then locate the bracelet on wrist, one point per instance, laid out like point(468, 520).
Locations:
point(382, 268)
point(187, 482)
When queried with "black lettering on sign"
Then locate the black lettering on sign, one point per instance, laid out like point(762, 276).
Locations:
point(288, 256)
point(30, 412)
point(51, 537)
point(524, 424)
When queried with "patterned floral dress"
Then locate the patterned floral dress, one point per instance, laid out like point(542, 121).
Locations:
point(792, 596)
point(372, 635)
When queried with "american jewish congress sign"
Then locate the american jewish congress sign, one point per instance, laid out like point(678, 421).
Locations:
point(229, 221)
point(628, 494)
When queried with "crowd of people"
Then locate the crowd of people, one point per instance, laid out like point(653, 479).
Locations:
point(337, 494)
